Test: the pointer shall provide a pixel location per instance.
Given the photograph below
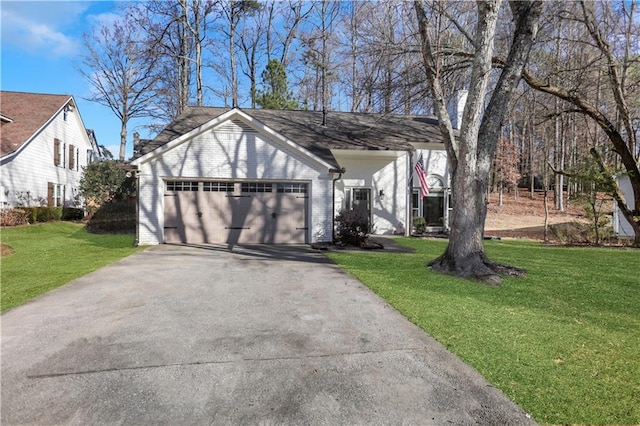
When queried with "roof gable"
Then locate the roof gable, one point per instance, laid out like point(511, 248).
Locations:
point(27, 113)
point(342, 130)
point(234, 120)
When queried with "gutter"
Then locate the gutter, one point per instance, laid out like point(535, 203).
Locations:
point(340, 172)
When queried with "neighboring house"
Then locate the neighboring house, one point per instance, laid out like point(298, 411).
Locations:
point(44, 146)
point(621, 226)
point(219, 175)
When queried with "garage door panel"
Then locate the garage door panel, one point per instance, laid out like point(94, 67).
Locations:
point(291, 218)
point(180, 213)
point(217, 216)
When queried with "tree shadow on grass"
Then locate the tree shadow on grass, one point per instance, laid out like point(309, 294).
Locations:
point(105, 240)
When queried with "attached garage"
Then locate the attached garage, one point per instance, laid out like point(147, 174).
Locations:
point(232, 176)
point(235, 212)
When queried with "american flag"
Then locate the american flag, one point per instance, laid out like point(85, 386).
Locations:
point(422, 176)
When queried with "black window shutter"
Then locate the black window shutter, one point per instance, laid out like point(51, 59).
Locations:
point(56, 152)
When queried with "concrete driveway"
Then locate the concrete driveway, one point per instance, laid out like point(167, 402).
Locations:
point(202, 335)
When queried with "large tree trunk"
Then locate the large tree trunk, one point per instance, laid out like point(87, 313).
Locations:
point(470, 157)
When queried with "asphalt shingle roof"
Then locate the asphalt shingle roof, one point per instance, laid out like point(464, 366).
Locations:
point(29, 112)
point(343, 130)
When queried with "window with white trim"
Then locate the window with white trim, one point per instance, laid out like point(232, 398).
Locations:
point(295, 188)
point(217, 186)
point(55, 194)
point(257, 187)
point(182, 185)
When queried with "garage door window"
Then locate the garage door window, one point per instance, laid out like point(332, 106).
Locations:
point(295, 188)
point(257, 187)
point(217, 186)
point(179, 185)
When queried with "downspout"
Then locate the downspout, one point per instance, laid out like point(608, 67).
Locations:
point(333, 200)
point(409, 194)
point(137, 242)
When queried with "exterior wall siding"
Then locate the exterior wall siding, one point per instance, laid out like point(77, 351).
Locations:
point(435, 163)
point(29, 171)
point(621, 225)
point(231, 155)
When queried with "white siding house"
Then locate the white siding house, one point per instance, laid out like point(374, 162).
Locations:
point(621, 226)
point(216, 175)
point(44, 147)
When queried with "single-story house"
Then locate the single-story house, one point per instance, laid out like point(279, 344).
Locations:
point(219, 175)
point(44, 147)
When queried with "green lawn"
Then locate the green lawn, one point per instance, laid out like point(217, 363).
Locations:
point(49, 255)
point(563, 342)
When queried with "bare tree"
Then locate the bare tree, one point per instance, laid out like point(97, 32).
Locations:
point(120, 65)
point(320, 45)
point(165, 24)
point(471, 154)
point(233, 11)
point(198, 28)
point(615, 119)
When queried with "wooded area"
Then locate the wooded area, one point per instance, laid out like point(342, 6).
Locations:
point(570, 125)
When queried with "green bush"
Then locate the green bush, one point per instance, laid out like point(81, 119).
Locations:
point(352, 226)
point(113, 217)
point(72, 213)
point(43, 214)
point(420, 224)
point(48, 214)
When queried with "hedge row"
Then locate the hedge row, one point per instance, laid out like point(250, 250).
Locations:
point(14, 217)
point(114, 217)
point(24, 215)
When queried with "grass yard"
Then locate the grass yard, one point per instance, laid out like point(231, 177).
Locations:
point(563, 343)
point(48, 255)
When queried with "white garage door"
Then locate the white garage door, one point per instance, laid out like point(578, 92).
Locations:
point(235, 212)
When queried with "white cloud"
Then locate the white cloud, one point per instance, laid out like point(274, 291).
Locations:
point(51, 29)
point(104, 19)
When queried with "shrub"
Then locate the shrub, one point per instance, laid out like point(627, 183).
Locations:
point(114, 217)
point(103, 182)
point(43, 214)
point(581, 233)
point(352, 226)
point(420, 224)
point(72, 213)
point(14, 217)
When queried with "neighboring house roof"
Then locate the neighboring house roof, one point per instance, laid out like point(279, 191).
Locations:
point(343, 130)
point(28, 113)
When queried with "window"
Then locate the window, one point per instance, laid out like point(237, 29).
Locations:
point(89, 156)
point(359, 199)
point(435, 183)
point(257, 187)
point(55, 195)
point(179, 185)
point(415, 203)
point(217, 186)
point(72, 157)
point(297, 188)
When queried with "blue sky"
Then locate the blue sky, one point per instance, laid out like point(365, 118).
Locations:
point(41, 48)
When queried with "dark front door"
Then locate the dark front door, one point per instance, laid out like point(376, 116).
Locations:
point(362, 202)
point(433, 209)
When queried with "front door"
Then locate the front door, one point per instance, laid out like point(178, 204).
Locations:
point(434, 209)
point(362, 201)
